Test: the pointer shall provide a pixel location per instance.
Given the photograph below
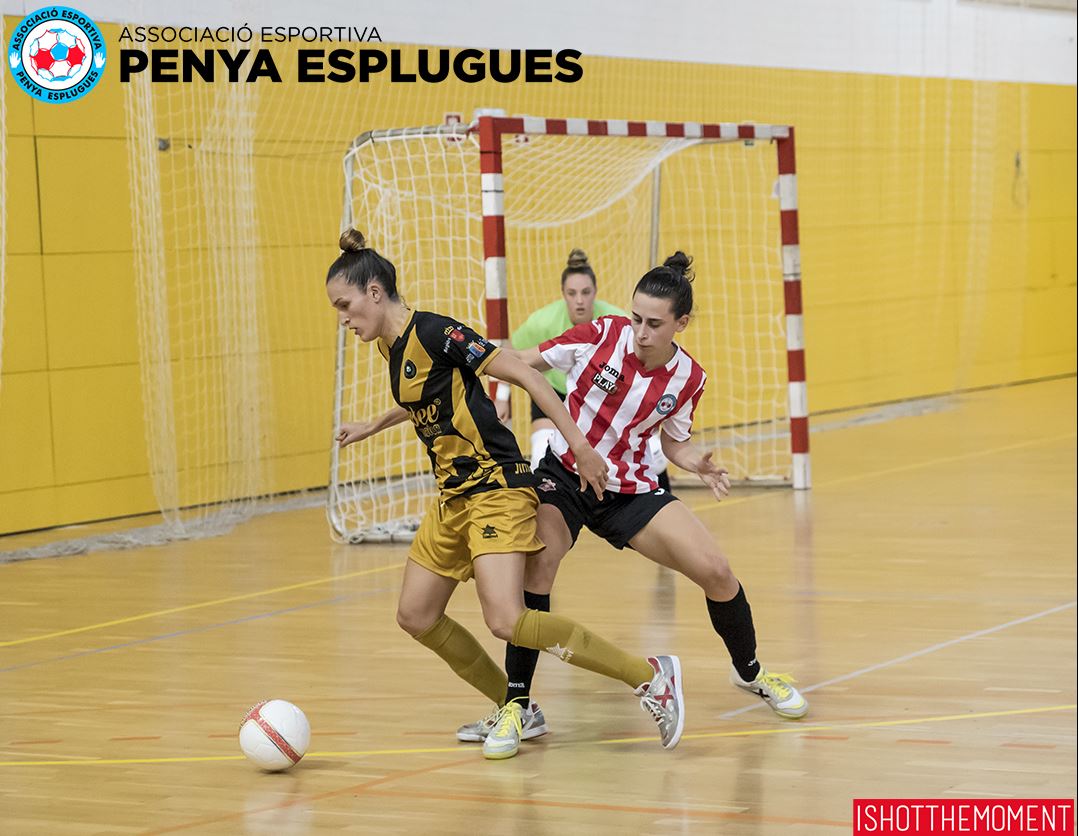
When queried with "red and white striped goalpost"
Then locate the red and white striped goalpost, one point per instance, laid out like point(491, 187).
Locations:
point(491, 129)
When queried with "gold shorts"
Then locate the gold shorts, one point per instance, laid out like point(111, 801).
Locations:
point(456, 532)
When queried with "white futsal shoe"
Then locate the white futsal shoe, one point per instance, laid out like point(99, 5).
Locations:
point(532, 725)
point(776, 689)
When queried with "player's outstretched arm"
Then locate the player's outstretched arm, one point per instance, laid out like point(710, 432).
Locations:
point(591, 466)
point(354, 431)
point(528, 356)
point(688, 456)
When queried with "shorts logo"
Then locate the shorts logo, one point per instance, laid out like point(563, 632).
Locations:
point(454, 334)
point(410, 369)
point(666, 404)
point(57, 54)
point(489, 532)
point(547, 485)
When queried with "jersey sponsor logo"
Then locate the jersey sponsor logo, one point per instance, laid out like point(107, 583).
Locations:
point(666, 404)
point(608, 379)
point(522, 467)
point(424, 416)
point(454, 334)
point(410, 369)
point(476, 351)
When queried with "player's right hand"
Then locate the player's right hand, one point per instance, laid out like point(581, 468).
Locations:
point(592, 469)
point(356, 431)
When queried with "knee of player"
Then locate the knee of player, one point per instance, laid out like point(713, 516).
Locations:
point(502, 624)
point(541, 568)
point(411, 622)
point(719, 570)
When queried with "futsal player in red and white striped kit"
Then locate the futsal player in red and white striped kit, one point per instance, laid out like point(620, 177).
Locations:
point(627, 380)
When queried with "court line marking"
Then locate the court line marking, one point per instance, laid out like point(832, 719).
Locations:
point(713, 503)
point(303, 584)
point(688, 812)
point(190, 631)
point(792, 728)
point(188, 607)
point(310, 799)
point(908, 656)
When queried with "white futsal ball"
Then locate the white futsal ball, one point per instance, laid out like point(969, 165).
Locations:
point(274, 734)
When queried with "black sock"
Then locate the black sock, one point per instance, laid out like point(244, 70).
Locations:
point(664, 481)
point(733, 620)
point(521, 661)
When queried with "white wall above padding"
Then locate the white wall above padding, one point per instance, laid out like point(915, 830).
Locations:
point(944, 38)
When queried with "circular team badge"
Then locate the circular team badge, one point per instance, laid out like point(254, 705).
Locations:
point(57, 54)
point(666, 404)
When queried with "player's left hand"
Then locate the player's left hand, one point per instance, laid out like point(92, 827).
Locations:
point(714, 476)
point(592, 469)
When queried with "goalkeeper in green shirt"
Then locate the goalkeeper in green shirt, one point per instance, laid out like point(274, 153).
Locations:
point(578, 304)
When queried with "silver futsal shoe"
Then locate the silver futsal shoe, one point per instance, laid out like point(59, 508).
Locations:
point(532, 725)
point(662, 699)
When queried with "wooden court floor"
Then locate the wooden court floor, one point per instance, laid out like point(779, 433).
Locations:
point(923, 593)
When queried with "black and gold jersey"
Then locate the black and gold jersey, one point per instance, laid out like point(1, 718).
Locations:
point(433, 373)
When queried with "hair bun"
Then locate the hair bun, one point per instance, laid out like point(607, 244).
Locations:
point(577, 259)
point(352, 241)
point(680, 263)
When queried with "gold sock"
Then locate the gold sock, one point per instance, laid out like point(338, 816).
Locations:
point(466, 657)
point(579, 646)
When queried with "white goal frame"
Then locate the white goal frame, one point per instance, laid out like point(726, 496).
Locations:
point(492, 131)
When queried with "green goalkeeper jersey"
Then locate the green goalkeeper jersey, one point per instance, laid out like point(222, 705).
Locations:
point(552, 321)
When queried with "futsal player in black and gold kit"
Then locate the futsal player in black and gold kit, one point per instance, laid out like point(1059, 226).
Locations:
point(483, 523)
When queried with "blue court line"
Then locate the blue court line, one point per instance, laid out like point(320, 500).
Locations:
point(191, 631)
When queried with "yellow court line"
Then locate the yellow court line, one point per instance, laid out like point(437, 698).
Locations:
point(961, 457)
point(701, 506)
point(187, 607)
point(797, 729)
point(697, 506)
point(789, 729)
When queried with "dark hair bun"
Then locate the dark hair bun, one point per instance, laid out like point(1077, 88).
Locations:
point(680, 263)
point(577, 260)
point(352, 241)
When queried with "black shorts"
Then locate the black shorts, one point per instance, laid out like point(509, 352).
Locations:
point(538, 413)
point(618, 518)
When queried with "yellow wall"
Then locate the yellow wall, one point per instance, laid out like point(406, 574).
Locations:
point(931, 260)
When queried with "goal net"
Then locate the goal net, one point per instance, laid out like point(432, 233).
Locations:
point(479, 221)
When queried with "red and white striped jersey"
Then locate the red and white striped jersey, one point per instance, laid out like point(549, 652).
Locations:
point(617, 404)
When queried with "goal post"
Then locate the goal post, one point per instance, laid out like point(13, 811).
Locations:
point(479, 219)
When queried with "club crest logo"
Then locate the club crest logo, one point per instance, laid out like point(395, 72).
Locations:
point(57, 54)
point(454, 334)
point(666, 404)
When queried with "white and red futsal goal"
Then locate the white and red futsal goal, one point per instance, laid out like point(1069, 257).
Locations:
point(479, 219)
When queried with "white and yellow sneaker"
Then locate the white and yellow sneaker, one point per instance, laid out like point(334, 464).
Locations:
point(533, 725)
point(776, 689)
point(505, 738)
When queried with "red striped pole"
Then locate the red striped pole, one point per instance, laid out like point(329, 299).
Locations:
point(792, 299)
point(494, 231)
